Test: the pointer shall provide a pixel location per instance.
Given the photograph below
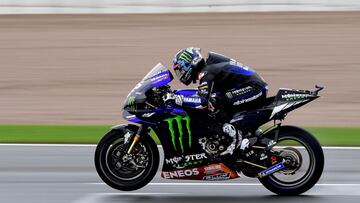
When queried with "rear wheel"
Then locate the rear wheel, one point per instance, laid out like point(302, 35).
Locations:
point(124, 171)
point(304, 162)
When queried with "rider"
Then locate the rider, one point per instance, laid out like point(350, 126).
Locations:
point(225, 86)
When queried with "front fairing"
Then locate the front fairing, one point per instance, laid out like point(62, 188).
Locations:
point(136, 100)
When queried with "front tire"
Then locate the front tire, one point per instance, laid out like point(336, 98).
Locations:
point(109, 156)
point(316, 164)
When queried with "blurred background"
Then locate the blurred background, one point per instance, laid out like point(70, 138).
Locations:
point(77, 68)
point(66, 67)
point(67, 63)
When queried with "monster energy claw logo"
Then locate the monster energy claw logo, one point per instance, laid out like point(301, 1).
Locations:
point(131, 103)
point(186, 57)
point(179, 120)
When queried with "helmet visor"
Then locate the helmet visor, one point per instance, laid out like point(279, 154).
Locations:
point(183, 71)
point(179, 71)
point(185, 76)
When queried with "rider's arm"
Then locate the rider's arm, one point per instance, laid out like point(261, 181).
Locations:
point(201, 100)
point(205, 88)
point(190, 101)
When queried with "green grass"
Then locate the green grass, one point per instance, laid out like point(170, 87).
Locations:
point(51, 134)
point(92, 134)
point(333, 136)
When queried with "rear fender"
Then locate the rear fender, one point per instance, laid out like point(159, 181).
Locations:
point(287, 100)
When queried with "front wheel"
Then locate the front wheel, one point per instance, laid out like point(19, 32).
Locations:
point(307, 162)
point(124, 171)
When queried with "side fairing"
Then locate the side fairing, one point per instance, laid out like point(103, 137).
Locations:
point(184, 156)
point(289, 99)
point(179, 136)
point(190, 97)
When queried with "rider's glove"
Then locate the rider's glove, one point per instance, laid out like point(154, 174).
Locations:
point(212, 107)
point(212, 111)
point(170, 98)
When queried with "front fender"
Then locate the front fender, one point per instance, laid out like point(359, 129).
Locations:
point(120, 130)
point(126, 127)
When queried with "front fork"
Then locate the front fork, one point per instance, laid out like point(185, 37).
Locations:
point(135, 139)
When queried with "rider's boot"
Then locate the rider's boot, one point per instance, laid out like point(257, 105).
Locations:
point(237, 142)
point(231, 131)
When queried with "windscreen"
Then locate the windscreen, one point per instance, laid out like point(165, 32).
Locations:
point(158, 76)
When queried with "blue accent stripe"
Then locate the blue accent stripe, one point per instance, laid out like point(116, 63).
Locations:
point(186, 92)
point(161, 79)
point(275, 168)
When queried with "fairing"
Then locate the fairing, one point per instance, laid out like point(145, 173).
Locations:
point(135, 102)
point(191, 97)
point(181, 130)
point(289, 99)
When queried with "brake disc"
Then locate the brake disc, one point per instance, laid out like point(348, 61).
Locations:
point(293, 160)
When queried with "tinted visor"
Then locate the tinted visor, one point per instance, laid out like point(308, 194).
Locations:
point(183, 72)
point(178, 72)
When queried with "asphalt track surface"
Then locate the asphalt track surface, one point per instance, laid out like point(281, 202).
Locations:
point(57, 173)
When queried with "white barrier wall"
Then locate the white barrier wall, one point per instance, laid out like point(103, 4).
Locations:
point(171, 6)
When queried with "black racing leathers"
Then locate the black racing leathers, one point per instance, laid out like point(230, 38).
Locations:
point(231, 84)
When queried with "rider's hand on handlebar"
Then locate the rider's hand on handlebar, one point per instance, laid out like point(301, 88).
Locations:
point(171, 98)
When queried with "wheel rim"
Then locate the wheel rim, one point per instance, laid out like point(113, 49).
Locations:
point(123, 171)
point(301, 174)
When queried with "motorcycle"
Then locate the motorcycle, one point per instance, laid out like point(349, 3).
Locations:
point(287, 160)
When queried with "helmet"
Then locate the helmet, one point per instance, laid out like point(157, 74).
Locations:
point(187, 63)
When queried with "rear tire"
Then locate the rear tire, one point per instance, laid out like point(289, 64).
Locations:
point(317, 156)
point(106, 171)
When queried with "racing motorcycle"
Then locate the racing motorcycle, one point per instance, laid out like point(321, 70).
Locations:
point(287, 160)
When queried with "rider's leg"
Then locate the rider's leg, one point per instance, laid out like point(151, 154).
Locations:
point(245, 98)
point(240, 99)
